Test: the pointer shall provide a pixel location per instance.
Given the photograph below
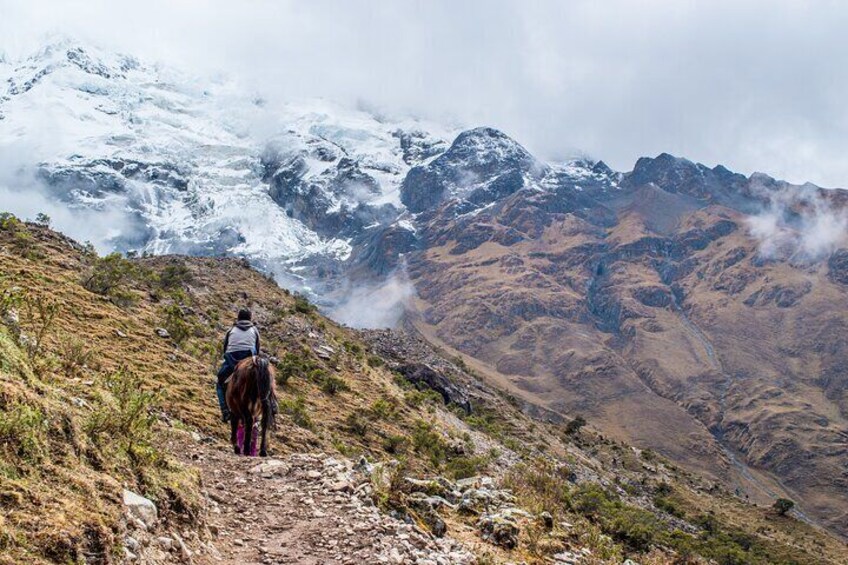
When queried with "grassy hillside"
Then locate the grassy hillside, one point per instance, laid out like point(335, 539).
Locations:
point(92, 396)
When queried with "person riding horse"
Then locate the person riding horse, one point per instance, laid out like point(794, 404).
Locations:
point(240, 342)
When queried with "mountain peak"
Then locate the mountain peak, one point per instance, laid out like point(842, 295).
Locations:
point(482, 165)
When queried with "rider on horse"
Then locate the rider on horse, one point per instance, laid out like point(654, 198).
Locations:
point(240, 342)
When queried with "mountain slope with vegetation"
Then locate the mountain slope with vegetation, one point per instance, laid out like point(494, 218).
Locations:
point(106, 384)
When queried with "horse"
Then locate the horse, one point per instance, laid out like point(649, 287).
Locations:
point(250, 393)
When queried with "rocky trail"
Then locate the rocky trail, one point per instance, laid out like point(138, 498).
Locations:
point(305, 509)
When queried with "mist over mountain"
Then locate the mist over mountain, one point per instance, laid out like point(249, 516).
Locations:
point(686, 308)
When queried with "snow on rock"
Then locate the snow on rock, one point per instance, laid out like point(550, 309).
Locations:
point(167, 162)
point(184, 163)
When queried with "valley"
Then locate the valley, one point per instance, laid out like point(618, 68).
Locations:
point(686, 310)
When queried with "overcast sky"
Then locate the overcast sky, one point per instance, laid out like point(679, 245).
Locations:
point(755, 85)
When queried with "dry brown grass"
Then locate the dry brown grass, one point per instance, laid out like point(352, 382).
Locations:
point(61, 495)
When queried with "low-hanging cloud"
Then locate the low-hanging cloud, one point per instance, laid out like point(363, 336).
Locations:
point(375, 305)
point(798, 223)
point(24, 195)
point(738, 83)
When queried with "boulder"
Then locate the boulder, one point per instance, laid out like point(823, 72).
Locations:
point(270, 468)
point(423, 375)
point(499, 530)
point(140, 508)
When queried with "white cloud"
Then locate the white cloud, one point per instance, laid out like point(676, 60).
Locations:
point(798, 223)
point(758, 85)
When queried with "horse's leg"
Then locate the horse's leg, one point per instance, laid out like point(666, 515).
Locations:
point(234, 422)
point(266, 412)
point(248, 431)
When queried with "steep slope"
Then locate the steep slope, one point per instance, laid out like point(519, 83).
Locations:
point(96, 397)
point(685, 308)
point(651, 308)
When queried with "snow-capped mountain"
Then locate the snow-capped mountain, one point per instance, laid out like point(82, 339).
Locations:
point(200, 166)
point(196, 165)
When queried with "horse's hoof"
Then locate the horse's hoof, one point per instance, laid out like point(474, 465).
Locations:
point(263, 453)
point(237, 450)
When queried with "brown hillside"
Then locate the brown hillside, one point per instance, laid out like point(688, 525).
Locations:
point(94, 400)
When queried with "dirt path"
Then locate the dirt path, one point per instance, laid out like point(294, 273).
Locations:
point(302, 509)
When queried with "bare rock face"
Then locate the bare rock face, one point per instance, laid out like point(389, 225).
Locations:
point(425, 376)
point(643, 297)
point(838, 266)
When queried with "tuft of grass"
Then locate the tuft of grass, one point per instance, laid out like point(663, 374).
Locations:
point(384, 409)
point(357, 423)
point(75, 356)
point(296, 409)
point(332, 385)
point(395, 444)
point(22, 434)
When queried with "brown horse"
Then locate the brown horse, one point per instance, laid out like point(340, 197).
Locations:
point(250, 395)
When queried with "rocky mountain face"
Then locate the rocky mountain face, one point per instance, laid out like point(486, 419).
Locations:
point(691, 310)
point(644, 303)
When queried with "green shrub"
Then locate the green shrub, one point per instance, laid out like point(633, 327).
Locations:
point(296, 409)
point(485, 420)
point(353, 348)
point(125, 417)
point(21, 239)
point(332, 385)
point(302, 304)
point(180, 325)
point(466, 466)
point(649, 455)
point(429, 443)
point(376, 361)
point(383, 408)
point(591, 499)
point(782, 506)
point(575, 425)
point(175, 275)
point(295, 364)
point(395, 444)
point(39, 318)
point(22, 432)
point(417, 398)
point(636, 528)
point(357, 423)
point(111, 276)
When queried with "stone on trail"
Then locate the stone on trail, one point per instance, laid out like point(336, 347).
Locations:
point(141, 508)
point(270, 468)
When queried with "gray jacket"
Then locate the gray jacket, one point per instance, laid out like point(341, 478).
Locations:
point(243, 336)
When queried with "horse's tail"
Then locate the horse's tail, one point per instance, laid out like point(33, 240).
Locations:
point(265, 384)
